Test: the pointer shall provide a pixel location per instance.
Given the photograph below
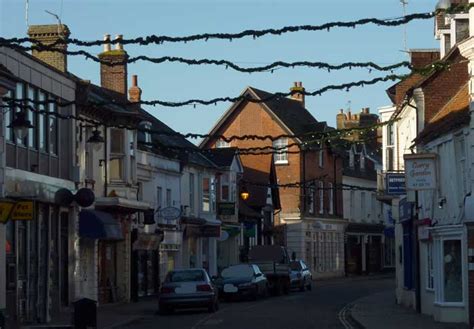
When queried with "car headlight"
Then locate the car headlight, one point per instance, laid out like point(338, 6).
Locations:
point(245, 285)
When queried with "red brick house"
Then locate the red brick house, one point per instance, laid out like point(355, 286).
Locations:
point(312, 216)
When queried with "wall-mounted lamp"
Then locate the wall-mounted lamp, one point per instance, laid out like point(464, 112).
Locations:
point(101, 162)
point(20, 125)
point(244, 193)
point(441, 202)
point(96, 140)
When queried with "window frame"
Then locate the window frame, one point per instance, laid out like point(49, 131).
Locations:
point(220, 144)
point(117, 155)
point(206, 194)
point(280, 148)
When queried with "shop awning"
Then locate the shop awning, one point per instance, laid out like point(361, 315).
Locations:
point(147, 242)
point(95, 224)
point(121, 204)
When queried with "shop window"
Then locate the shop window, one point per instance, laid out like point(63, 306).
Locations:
point(452, 271)
point(281, 150)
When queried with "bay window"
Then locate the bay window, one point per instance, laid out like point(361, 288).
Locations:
point(225, 188)
point(452, 271)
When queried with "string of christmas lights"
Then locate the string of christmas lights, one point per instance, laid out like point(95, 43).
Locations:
point(311, 184)
point(220, 62)
point(215, 101)
point(308, 137)
point(160, 39)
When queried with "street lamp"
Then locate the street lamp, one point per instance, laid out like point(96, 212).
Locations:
point(96, 140)
point(244, 193)
point(20, 125)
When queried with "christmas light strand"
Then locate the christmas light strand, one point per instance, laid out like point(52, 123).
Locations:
point(220, 62)
point(215, 101)
point(160, 39)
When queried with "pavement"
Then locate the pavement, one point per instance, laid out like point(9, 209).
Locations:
point(370, 312)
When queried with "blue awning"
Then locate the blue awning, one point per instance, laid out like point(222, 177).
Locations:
point(95, 224)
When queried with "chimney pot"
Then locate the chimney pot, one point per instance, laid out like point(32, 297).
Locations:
point(296, 84)
point(119, 45)
point(106, 42)
point(134, 80)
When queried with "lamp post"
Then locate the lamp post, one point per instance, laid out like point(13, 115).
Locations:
point(20, 125)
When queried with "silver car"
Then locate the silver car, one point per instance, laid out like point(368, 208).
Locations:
point(187, 288)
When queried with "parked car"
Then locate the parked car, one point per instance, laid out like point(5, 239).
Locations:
point(187, 288)
point(273, 262)
point(244, 280)
point(300, 275)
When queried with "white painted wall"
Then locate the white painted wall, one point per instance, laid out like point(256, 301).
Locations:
point(352, 201)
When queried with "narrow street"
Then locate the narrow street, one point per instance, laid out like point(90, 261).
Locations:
point(318, 308)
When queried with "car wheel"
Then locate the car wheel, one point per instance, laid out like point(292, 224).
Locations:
point(303, 285)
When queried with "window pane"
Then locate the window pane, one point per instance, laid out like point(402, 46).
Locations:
point(462, 29)
point(20, 94)
point(452, 271)
point(225, 193)
point(42, 131)
point(8, 118)
point(53, 128)
point(280, 149)
point(116, 169)
point(32, 117)
point(116, 141)
point(206, 194)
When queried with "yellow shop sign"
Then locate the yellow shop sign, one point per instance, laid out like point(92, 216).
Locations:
point(5, 210)
point(23, 211)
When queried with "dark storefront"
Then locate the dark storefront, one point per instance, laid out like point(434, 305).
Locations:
point(364, 248)
point(145, 264)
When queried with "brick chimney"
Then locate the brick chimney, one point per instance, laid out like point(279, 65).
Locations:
point(420, 58)
point(298, 92)
point(134, 93)
point(341, 119)
point(114, 77)
point(48, 34)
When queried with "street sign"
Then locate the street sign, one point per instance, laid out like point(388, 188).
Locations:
point(395, 184)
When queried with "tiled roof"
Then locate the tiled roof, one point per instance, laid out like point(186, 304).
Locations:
point(291, 112)
point(178, 143)
point(453, 115)
point(223, 157)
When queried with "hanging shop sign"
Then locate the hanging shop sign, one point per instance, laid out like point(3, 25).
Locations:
point(420, 171)
point(395, 183)
point(226, 208)
point(170, 213)
point(23, 210)
point(5, 210)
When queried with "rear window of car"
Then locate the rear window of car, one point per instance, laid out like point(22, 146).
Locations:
point(295, 266)
point(185, 276)
point(238, 271)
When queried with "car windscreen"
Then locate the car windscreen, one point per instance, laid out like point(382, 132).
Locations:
point(238, 271)
point(186, 276)
point(295, 266)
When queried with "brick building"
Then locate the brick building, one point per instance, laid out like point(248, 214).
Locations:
point(312, 216)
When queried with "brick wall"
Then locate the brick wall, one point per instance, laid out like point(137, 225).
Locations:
point(252, 118)
point(441, 90)
point(114, 77)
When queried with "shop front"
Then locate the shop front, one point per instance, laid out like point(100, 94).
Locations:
point(228, 246)
point(200, 243)
point(364, 248)
point(145, 262)
point(170, 251)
